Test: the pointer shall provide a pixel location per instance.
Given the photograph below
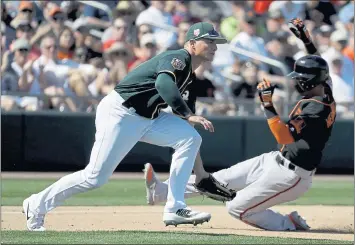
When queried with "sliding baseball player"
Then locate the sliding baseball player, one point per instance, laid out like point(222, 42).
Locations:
point(285, 174)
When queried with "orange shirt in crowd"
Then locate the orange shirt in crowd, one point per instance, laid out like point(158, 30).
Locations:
point(349, 52)
point(64, 55)
point(261, 6)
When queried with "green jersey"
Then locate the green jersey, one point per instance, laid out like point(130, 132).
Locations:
point(138, 87)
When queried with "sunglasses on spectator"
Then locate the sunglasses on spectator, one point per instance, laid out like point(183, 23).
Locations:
point(23, 50)
point(124, 12)
point(120, 53)
point(150, 45)
point(27, 11)
point(121, 27)
point(58, 18)
point(50, 47)
point(145, 32)
point(25, 28)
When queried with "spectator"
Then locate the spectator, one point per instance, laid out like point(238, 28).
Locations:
point(231, 26)
point(11, 76)
point(322, 37)
point(154, 15)
point(338, 41)
point(25, 30)
point(280, 50)
point(18, 77)
point(182, 30)
point(128, 11)
point(248, 40)
point(289, 9)
point(26, 11)
point(274, 23)
point(54, 25)
point(117, 55)
point(3, 37)
point(148, 49)
point(202, 85)
point(348, 51)
point(247, 88)
point(66, 44)
point(142, 30)
point(71, 9)
point(342, 92)
point(10, 32)
point(321, 12)
point(97, 16)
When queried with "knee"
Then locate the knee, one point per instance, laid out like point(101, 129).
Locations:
point(193, 139)
point(233, 210)
point(94, 181)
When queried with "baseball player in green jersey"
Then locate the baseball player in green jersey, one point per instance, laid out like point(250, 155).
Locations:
point(285, 174)
point(132, 113)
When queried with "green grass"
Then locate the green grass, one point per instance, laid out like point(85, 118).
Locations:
point(141, 237)
point(132, 192)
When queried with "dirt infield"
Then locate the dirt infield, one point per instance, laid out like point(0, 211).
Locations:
point(327, 222)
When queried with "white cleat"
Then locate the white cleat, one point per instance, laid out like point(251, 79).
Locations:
point(150, 182)
point(186, 216)
point(34, 221)
point(298, 221)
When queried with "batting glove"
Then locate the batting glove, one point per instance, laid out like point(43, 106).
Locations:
point(298, 28)
point(265, 90)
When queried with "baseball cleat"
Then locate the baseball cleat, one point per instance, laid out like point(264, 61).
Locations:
point(298, 221)
point(150, 182)
point(34, 221)
point(186, 216)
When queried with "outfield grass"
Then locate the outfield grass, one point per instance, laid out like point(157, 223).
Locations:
point(132, 192)
point(141, 237)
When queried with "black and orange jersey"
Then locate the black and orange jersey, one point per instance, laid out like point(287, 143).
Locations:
point(310, 124)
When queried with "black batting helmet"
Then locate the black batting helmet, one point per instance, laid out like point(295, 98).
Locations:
point(309, 71)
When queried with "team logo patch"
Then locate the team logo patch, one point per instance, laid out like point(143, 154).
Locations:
point(178, 64)
point(197, 32)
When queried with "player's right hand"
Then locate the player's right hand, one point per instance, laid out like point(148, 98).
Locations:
point(202, 121)
point(266, 91)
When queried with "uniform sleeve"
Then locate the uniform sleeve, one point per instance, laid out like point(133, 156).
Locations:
point(169, 92)
point(171, 64)
point(189, 96)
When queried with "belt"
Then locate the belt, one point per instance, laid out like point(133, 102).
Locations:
point(280, 160)
point(298, 170)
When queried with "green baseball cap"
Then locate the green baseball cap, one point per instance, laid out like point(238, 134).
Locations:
point(204, 30)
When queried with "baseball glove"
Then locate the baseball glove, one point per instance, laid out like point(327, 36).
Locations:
point(213, 189)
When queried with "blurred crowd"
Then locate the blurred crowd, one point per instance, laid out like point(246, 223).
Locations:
point(67, 55)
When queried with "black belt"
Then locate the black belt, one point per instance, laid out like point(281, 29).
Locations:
point(127, 104)
point(281, 161)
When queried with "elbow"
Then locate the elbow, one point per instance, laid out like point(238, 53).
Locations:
point(284, 141)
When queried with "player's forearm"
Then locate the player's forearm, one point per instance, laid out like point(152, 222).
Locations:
point(311, 48)
point(168, 90)
point(278, 128)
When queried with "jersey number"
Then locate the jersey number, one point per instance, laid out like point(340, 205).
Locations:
point(331, 117)
point(185, 95)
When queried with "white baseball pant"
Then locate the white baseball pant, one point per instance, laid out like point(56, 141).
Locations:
point(118, 129)
point(260, 183)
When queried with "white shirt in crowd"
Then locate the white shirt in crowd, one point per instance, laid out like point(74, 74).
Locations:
point(56, 73)
point(347, 71)
point(251, 43)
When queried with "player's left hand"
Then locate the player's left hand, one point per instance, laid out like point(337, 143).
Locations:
point(299, 29)
point(265, 90)
point(212, 188)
